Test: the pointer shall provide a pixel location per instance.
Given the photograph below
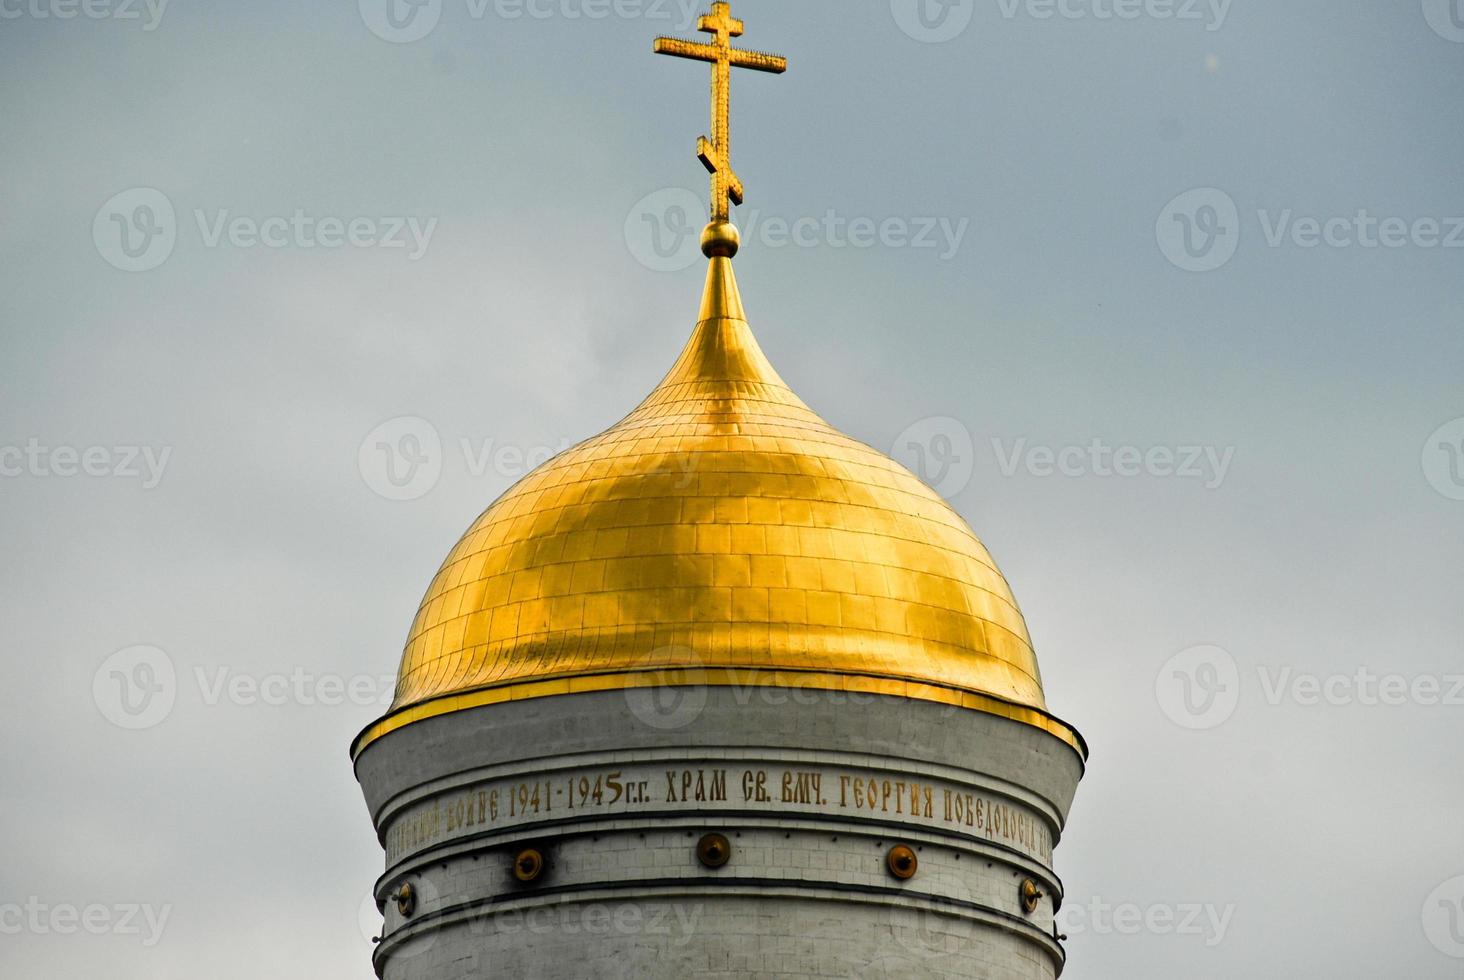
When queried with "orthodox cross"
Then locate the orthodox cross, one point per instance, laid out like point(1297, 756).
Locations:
point(716, 153)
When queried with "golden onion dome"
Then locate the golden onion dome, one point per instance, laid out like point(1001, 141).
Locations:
point(721, 534)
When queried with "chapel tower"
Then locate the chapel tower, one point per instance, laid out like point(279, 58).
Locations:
point(719, 692)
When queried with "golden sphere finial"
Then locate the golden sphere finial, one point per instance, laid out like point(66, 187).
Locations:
point(720, 238)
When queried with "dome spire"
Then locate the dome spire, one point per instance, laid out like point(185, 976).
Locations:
point(721, 299)
point(722, 322)
point(720, 238)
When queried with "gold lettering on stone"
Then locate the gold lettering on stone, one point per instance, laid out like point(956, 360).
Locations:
point(803, 788)
point(518, 801)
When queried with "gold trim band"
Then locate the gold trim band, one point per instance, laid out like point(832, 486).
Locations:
point(719, 677)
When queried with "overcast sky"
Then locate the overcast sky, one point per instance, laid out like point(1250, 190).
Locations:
point(1169, 305)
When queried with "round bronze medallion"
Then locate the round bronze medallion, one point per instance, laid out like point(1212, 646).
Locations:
point(528, 865)
point(902, 862)
point(714, 850)
point(406, 900)
point(1031, 895)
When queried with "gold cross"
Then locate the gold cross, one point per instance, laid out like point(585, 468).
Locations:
point(716, 153)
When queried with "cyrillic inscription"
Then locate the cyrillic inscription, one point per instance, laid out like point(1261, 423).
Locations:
point(829, 790)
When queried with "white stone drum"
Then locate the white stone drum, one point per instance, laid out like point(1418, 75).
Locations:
point(811, 789)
